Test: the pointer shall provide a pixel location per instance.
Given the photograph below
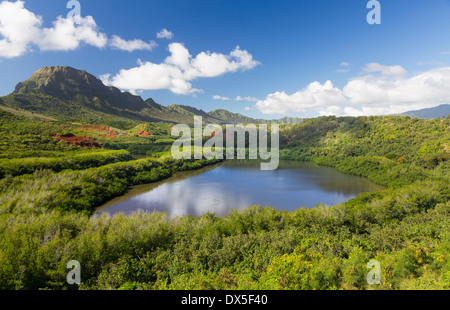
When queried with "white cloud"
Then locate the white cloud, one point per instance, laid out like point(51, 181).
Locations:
point(248, 98)
point(217, 97)
point(343, 67)
point(21, 30)
point(18, 27)
point(131, 45)
point(390, 92)
point(400, 94)
point(164, 34)
point(66, 35)
point(315, 96)
point(179, 69)
point(385, 70)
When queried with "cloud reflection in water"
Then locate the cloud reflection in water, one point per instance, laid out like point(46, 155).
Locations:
point(237, 186)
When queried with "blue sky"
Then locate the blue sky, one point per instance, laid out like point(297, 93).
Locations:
point(288, 58)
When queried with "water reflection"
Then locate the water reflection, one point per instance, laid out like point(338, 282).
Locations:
point(240, 184)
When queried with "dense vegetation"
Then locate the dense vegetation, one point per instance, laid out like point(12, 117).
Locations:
point(47, 203)
point(391, 151)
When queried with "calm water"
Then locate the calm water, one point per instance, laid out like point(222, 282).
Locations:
point(239, 184)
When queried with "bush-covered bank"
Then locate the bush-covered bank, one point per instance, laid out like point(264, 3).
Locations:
point(83, 190)
point(85, 160)
point(391, 150)
point(258, 248)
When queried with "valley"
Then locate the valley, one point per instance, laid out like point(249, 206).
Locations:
point(69, 144)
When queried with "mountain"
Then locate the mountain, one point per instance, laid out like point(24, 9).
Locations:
point(176, 113)
point(68, 94)
point(233, 118)
point(429, 113)
point(75, 95)
point(236, 118)
point(190, 112)
point(289, 121)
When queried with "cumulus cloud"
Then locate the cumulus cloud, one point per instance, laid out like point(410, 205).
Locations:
point(18, 27)
point(386, 95)
point(217, 97)
point(131, 45)
point(179, 69)
point(387, 91)
point(66, 34)
point(315, 96)
point(164, 34)
point(21, 30)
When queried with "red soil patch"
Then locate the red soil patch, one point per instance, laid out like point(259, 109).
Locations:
point(143, 133)
point(110, 133)
point(81, 141)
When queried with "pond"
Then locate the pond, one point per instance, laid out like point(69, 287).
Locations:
point(238, 184)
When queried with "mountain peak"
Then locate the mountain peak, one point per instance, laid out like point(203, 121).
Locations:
point(52, 70)
point(58, 81)
point(62, 73)
point(77, 87)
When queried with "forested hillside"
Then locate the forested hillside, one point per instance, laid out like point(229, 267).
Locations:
point(389, 150)
point(48, 198)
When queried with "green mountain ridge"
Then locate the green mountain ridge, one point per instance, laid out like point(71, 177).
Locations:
point(75, 95)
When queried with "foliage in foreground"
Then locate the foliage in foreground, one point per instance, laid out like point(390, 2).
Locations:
point(258, 248)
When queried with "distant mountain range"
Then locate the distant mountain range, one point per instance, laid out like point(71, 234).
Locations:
point(429, 113)
point(68, 94)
